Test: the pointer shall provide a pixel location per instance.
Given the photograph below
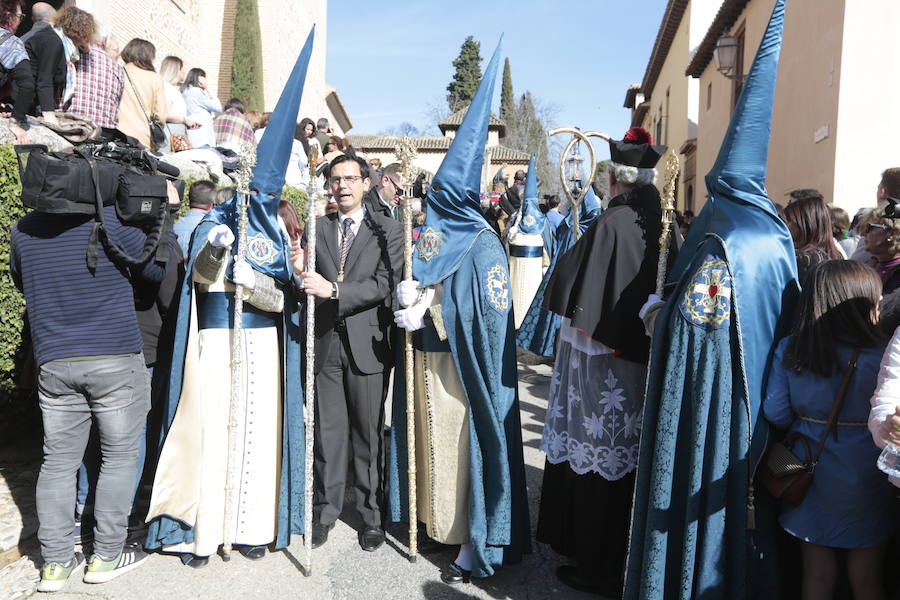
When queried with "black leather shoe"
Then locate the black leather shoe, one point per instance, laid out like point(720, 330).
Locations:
point(371, 538)
point(196, 562)
point(455, 574)
point(320, 533)
point(252, 552)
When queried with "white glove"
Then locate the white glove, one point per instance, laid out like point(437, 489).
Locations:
point(243, 274)
point(411, 318)
point(220, 236)
point(407, 292)
point(652, 300)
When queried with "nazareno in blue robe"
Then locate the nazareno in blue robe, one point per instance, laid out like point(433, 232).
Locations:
point(477, 315)
point(700, 529)
point(165, 531)
point(538, 330)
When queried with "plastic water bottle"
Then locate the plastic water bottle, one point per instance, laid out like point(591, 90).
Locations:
point(889, 461)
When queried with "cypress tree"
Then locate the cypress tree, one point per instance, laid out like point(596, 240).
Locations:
point(508, 101)
point(246, 64)
point(468, 73)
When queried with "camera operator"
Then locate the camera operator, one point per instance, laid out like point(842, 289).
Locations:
point(152, 302)
point(88, 346)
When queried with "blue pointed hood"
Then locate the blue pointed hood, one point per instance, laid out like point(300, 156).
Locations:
point(533, 219)
point(737, 179)
point(267, 248)
point(453, 219)
point(740, 218)
point(739, 172)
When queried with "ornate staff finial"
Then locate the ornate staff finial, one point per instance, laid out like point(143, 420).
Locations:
point(667, 204)
point(405, 152)
point(247, 158)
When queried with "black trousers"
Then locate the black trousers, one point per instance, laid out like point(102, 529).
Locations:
point(349, 424)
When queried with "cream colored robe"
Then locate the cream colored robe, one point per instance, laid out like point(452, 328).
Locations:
point(442, 442)
point(191, 477)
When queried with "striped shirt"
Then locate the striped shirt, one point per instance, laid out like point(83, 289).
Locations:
point(72, 311)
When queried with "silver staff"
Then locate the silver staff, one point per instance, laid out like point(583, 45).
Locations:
point(236, 406)
point(309, 410)
point(406, 153)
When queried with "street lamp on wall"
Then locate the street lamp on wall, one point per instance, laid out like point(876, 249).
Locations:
point(726, 54)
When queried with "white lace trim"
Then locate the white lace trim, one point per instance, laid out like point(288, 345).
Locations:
point(594, 413)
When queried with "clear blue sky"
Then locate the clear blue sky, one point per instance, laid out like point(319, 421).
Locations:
point(391, 62)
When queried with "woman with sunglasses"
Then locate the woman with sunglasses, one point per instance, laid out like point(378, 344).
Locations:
point(882, 239)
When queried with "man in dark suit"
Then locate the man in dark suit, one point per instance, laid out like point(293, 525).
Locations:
point(48, 61)
point(359, 261)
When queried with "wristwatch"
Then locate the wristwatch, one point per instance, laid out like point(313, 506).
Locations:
point(334, 291)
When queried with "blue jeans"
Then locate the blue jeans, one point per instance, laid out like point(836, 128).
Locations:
point(114, 392)
point(89, 470)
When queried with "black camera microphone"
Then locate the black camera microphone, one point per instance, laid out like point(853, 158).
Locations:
point(167, 169)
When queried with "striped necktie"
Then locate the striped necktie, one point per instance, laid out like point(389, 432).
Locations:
point(346, 241)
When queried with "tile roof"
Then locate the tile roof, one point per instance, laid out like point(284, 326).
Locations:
point(367, 143)
point(455, 120)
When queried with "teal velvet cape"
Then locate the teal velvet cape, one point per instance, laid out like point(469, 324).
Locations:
point(478, 319)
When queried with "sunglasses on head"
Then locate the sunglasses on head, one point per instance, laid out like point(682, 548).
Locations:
point(873, 226)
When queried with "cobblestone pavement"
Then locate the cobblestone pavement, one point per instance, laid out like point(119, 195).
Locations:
point(341, 570)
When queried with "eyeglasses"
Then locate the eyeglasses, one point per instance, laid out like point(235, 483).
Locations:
point(348, 179)
point(873, 226)
point(399, 191)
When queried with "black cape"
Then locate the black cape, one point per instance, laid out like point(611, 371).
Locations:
point(601, 283)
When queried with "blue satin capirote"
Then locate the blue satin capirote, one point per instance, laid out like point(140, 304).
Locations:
point(453, 217)
point(693, 530)
point(530, 208)
point(273, 153)
point(537, 333)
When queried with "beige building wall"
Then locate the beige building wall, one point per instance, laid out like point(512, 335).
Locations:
point(286, 24)
point(674, 99)
point(868, 122)
point(805, 115)
point(832, 99)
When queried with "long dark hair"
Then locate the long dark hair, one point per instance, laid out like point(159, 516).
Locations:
point(837, 306)
point(288, 214)
point(809, 222)
point(192, 79)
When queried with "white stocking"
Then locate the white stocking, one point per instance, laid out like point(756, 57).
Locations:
point(464, 558)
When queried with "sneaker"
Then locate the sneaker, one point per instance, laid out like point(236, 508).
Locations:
point(54, 575)
point(101, 571)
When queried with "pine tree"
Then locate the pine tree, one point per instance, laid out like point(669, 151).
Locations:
point(468, 74)
point(247, 64)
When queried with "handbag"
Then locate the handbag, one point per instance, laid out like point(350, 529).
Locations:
point(157, 131)
point(785, 475)
point(179, 143)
